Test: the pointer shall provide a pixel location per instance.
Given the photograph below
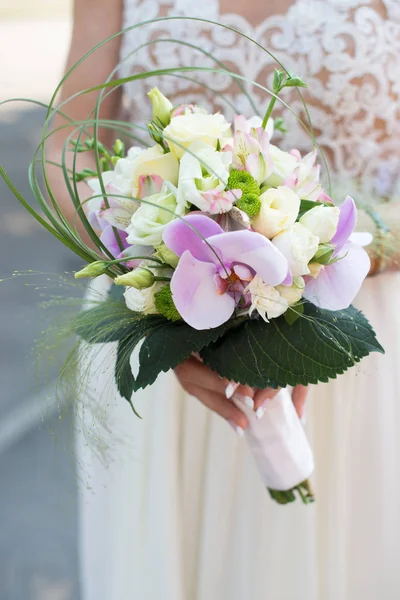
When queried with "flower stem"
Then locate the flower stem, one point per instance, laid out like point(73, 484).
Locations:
point(269, 111)
point(286, 497)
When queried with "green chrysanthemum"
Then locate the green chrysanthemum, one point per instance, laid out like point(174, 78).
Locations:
point(165, 304)
point(242, 180)
point(250, 204)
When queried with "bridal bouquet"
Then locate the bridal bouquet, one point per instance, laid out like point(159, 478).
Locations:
point(220, 243)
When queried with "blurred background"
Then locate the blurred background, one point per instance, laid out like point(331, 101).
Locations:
point(38, 516)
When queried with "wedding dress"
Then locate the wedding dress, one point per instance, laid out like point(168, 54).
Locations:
point(174, 509)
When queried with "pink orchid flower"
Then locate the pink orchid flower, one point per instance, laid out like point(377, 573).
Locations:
point(338, 283)
point(215, 267)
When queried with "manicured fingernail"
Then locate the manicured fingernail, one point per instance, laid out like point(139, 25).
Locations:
point(247, 401)
point(238, 430)
point(260, 412)
point(230, 389)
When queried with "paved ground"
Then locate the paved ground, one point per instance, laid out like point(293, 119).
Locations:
point(38, 521)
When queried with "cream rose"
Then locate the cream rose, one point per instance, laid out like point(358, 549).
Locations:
point(152, 161)
point(284, 165)
point(322, 221)
point(149, 221)
point(298, 245)
point(279, 209)
point(186, 129)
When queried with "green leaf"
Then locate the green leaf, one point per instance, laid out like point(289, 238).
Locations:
point(294, 81)
point(317, 347)
point(294, 313)
point(306, 205)
point(168, 346)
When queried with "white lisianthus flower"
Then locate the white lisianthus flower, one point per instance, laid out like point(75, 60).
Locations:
point(189, 128)
point(202, 170)
point(143, 301)
point(279, 209)
point(298, 245)
point(292, 293)
point(322, 221)
point(148, 222)
point(284, 165)
point(265, 299)
point(139, 162)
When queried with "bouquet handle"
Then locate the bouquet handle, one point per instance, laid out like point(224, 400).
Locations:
point(280, 448)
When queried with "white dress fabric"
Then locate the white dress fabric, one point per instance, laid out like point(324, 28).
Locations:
point(173, 509)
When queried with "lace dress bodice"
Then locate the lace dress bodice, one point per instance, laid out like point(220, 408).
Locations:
point(348, 52)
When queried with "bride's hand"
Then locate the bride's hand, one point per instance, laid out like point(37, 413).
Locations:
point(216, 393)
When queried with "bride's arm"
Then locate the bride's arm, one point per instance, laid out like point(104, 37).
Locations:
point(94, 21)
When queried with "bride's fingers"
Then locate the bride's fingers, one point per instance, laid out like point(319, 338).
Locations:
point(193, 372)
point(222, 406)
point(262, 396)
point(299, 396)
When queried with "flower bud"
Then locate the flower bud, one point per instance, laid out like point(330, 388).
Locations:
point(94, 269)
point(324, 254)
point(322, 221)
point(162, 107)
point(167, 256)
point(119, 149)
point(139, 279)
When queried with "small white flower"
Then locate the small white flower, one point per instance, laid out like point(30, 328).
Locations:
point(266, 299)
point(279, 209)
point(189, 128)
point(298, 245)
point(149, 221)
point(322, 221)
point(143, 301)
point(284, 165)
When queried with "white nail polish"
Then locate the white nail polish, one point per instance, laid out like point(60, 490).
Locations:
point(230, 389)
point(260, 412)
point(238, 430)
point(249, 402)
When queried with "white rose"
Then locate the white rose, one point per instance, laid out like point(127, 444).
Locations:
point(322, 221)
point(292, 293)
point(201, 170)
point(152, 161)
point(265, 299)
point(143, 301)
point(279, 209)
point(284, 165)
point(149, 221)
point(298, 245)
point(186, 129)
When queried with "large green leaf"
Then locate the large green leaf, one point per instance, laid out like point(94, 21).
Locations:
point(319, 346)
point(167, 346)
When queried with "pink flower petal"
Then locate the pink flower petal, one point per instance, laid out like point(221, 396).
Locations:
point(338, 284)
point(346, 225)
point(254, 250)
point(183, 234)
point(195, 294)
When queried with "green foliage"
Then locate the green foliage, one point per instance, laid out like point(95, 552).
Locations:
point(306, 205)
point(242, 180)
point(317, 347)
point(250, 204)
point(168, 346)
point(324, 254)
point(165, 304)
